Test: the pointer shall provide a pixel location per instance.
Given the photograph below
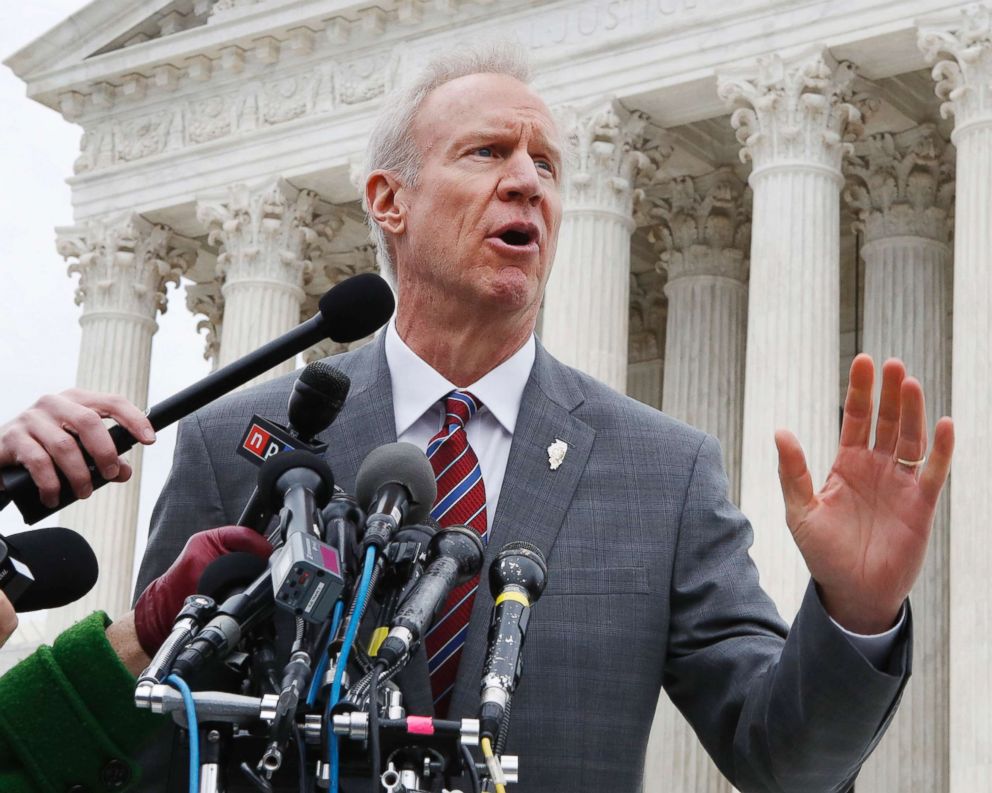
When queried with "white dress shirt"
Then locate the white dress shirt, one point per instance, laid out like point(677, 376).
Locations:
point(417, 393)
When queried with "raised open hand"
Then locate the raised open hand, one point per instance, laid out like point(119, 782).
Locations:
point(864, 535)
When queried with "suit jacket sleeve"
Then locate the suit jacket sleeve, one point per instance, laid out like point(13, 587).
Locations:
point(798, 716)
point(189, 502)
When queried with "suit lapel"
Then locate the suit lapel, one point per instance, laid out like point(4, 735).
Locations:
point(533, 500)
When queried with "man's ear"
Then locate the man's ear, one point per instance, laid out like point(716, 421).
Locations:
point(382, 198)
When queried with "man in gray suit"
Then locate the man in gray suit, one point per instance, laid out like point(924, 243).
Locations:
point(650, 581)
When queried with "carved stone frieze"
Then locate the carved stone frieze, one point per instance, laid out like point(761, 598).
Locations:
point(960, 50)
point(197, 120)
point(903, 185)
point(611, 155)
point(125, 265)
point(703, 226)
point(807, 108)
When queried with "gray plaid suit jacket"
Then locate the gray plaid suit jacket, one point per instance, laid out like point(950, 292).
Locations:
point(650, 586)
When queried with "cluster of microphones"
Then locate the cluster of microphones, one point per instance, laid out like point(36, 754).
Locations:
point(298, 655)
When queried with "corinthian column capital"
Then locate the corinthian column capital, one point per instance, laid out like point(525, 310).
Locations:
point(959, 46)
point(703, 227)
point(903, 185)
point(264, 231)
point(124, 264)
point(612, 152)
point(801, 109)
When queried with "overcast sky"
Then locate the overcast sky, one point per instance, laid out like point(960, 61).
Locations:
point(39, 323)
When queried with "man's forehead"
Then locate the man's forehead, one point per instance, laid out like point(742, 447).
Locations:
point(483, 101)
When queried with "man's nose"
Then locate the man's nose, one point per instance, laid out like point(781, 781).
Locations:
point(520, 180)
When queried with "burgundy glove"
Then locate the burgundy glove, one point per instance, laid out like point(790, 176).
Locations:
point(159, 604)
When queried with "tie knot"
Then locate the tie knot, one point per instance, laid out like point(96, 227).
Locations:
point(460, 406)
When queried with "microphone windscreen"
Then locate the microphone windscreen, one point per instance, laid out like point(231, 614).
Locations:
point(317, 397)
point(229, 574)
point(357, 307)
point(278, 464)
point(399, 463)
point(63, 565)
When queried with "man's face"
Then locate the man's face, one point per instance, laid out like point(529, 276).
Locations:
point(482, 223)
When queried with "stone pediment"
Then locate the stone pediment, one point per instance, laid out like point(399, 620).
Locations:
point(104, 26)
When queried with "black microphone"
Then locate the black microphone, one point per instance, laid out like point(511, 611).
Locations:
point(516, 579)
point(457, 556)
point(46, 568)
point(349, 311)
point(397, 482)
point(235, 617)
point(318, 396)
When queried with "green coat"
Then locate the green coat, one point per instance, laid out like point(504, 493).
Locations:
point(67, 717)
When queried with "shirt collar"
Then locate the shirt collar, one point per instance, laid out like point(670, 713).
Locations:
point(417, 386)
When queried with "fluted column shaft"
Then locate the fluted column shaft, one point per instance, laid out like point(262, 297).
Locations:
point(586, 302)
point(123, 269)
point(960, 48)
point(792, 117)
point(265, 234)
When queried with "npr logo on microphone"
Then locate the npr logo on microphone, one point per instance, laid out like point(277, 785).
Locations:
point(263, 439)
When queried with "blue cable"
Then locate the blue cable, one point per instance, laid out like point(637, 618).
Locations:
point(349, 637)
point(194, 731)
point(324, 660)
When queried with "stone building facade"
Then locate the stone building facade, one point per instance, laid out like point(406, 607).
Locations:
point(762, 189)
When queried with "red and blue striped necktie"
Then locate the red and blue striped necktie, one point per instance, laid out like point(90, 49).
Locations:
point(461, 500)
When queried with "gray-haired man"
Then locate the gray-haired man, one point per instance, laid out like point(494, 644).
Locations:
point(650, 581)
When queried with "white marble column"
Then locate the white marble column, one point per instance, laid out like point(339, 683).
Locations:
point(901, 187)
point(586, 303)
point(705, 236)
point(702, 233)
point(123, 266)
point(264, 234)
point(960, 47)
point(793, 116)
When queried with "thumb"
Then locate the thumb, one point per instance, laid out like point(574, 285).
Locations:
point(793, 475)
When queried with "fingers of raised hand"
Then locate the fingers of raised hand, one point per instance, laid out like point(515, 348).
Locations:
point(912, 440)
point(856, 426)
point(793, 474)
point(117, 408)
point(939, 463)
point(69, 414)
point(889, 406)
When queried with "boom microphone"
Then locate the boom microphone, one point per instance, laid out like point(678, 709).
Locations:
point(349, 311)
point(516, 579)
point(62, 568)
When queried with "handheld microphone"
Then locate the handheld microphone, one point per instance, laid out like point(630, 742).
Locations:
point(46, 568)
point(349, 311)
point(516, 579)
point(457, 552)
point(306, 573)
point(397, 482)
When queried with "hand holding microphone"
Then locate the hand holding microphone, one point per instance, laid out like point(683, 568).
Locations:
point(54, 432)
point(156, 609)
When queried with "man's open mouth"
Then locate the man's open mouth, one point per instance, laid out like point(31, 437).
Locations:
point(517, 235)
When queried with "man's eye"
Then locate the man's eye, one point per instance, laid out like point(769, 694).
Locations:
point(484, 151)
point(545, 164)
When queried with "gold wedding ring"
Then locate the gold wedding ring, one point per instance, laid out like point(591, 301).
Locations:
point(912, 463)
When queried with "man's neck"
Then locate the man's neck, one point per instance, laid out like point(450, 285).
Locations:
point(463, 354)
